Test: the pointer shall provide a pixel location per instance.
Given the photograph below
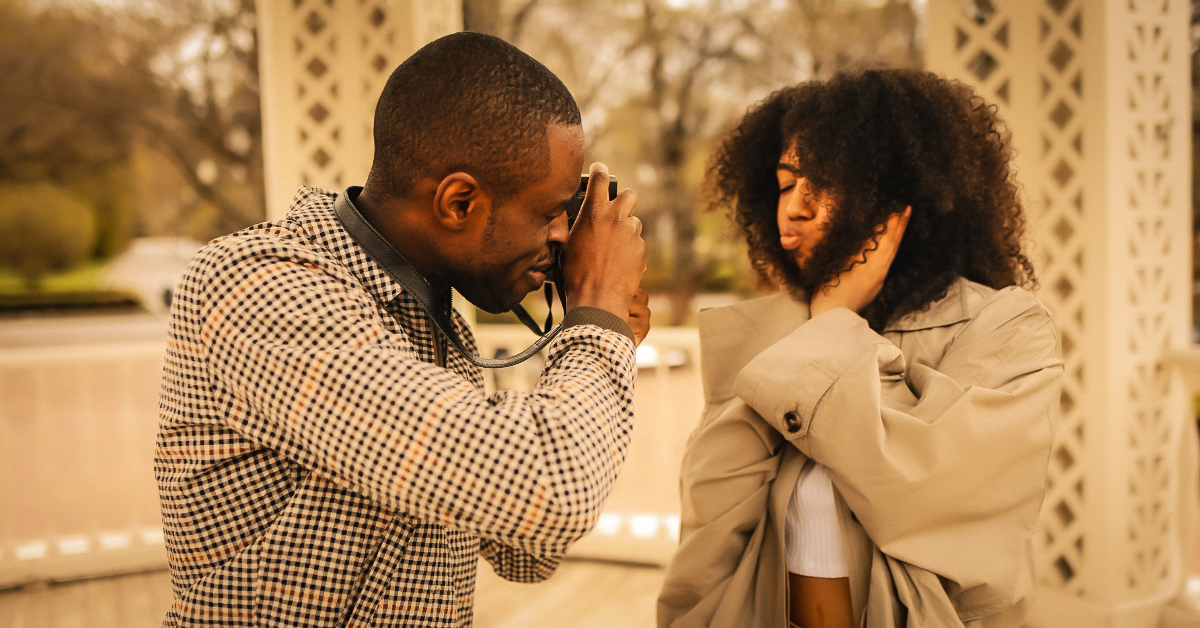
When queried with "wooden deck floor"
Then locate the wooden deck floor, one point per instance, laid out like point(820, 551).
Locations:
point(583, 594)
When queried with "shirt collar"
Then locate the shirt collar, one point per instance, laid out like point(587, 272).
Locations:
point(313, 210)
point(948, 310)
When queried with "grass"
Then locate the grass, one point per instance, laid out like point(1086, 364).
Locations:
point(76, 289)
point(82, 278)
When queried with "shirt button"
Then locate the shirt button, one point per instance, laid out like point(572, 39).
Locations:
point(792, 421)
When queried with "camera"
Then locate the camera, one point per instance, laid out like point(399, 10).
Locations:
point(577, 201)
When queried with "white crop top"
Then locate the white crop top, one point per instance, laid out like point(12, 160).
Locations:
point(813, 534)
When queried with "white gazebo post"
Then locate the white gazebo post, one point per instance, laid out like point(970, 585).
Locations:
point(322, 64)
point(1097, 95)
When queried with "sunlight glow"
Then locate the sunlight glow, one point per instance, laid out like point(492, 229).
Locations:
point(609, 524)
point(643, 526)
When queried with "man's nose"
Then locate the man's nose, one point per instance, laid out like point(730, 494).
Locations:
point(559, 229)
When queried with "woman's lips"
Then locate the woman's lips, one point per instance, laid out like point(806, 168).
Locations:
point(789, 241)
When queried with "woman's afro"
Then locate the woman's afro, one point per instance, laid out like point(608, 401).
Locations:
point(875, 142)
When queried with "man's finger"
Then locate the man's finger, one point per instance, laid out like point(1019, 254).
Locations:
point(597, 190)
point(626, 202)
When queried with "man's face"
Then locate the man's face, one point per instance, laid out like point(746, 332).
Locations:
point(802, 216)
point(523, 236)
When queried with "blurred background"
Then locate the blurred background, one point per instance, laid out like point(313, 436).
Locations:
point(131, 132)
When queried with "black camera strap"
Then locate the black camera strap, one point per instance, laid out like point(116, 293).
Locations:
point(438, 308)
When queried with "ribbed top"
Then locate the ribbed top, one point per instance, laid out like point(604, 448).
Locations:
point(814, 537)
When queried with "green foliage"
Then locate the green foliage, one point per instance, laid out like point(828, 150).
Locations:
point(111, 195)
point(59, 302)
point(43, 228)
point(82, 278)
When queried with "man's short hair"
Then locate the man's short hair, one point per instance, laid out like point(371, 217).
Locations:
point(467, 102)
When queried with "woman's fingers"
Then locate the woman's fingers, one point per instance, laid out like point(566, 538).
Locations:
point(857, 287)
point(888, 242)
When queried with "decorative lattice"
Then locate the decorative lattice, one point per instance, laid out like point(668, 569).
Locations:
point(1152, 140)
point(326, 63)
point(983, 53)
point(1059, 206)
point(319, 92)
point(982, 48)
point(1096, 94)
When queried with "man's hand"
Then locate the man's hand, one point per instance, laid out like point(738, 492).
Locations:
point(639, 316)
point(605, 255)
point(857, 287)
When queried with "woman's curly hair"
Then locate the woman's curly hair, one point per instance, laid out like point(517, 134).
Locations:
point(875, 142)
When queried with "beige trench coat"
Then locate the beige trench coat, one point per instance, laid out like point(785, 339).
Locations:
point(937, 435)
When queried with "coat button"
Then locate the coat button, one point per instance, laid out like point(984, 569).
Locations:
point(792, 421)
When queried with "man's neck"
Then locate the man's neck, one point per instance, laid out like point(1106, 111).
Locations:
point(393, 219)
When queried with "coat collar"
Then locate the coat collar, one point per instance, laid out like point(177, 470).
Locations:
point(312, 209)
point(948, 310)
point(732, 335)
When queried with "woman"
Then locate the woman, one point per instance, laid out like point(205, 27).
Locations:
point(876, 436)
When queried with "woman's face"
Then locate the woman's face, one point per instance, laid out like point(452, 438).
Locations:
point(801, 215)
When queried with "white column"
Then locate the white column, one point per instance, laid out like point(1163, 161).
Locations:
point(322, 64)
point(1097, 95)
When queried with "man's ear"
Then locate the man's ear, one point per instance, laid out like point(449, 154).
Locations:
point(459, 200)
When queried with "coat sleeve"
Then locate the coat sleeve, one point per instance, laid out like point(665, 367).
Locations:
point(944, 465)
point(720, 576)
point(318, 379)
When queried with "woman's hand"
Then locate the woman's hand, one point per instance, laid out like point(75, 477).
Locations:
point(859, 286)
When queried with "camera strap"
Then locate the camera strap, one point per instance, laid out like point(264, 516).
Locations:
point(439, 308)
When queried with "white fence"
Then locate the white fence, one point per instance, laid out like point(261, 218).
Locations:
point(77, 428)
point(77, 495)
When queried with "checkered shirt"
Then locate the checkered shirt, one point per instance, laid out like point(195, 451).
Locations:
point(316, 468)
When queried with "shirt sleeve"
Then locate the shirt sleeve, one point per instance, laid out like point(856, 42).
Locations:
point(318, 378)
point(945, 466)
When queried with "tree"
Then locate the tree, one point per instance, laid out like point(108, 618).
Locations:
point(62, 111)
point(207, 118)
point(86, 86)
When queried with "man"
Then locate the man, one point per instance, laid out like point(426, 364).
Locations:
point(325, 456)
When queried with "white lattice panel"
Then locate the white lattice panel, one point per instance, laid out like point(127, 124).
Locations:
point(980, 51)
point(1095, 92)
point(1060, 207)
point(323, 65)
point(1153, 144)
